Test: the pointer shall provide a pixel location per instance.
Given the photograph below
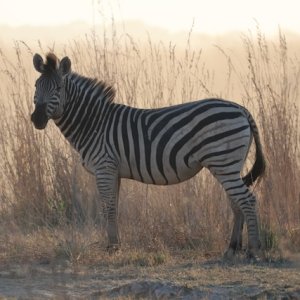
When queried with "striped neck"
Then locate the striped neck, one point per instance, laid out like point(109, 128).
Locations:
point(82, 89)
point(86, 103)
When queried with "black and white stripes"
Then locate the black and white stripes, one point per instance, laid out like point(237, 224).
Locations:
point(157, 146)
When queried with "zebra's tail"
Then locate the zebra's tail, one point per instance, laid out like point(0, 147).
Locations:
point(259, 165)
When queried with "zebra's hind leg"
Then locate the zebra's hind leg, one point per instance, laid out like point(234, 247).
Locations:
point(236, 241)
point(242, 200)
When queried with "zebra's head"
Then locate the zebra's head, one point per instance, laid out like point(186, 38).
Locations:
point(49, 95)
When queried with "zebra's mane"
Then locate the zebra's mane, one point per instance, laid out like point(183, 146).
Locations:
point(104, 91)
point(51, 63)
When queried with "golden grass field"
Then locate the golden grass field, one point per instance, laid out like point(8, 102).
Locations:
point(51, 233)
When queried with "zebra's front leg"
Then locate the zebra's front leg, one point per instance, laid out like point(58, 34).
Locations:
point(108, 183)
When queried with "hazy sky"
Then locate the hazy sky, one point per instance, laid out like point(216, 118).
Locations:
point(209, 16)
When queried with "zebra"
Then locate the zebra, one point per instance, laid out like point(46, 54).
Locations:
point(161, 146)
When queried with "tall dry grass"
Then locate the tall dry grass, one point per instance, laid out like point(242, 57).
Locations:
point(49, 204)
point(274, 81)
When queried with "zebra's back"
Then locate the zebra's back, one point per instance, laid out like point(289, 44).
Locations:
point(171, 144)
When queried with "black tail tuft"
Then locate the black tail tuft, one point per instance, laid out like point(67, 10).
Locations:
point(257, 169)
point(259, 164)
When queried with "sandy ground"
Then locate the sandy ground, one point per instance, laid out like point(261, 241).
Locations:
point(210, 279)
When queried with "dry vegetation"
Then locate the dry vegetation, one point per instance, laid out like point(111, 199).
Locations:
point(49, 205)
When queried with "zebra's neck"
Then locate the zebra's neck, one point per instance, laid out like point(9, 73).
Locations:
point(87, 104)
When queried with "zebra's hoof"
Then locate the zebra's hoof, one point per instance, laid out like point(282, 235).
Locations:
point(229, 254)
point(114, 248)
point(254, 256)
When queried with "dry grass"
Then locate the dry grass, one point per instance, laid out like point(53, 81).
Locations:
point(192, 279)
point(49, 204)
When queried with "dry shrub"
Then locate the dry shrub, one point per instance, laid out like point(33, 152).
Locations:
point(45, 189)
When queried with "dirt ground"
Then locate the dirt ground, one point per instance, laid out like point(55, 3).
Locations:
point(184, 279)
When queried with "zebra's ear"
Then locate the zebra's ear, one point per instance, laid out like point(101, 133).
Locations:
point(38, 63)
point(65, 66)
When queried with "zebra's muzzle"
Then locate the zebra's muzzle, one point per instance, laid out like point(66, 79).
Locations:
point(39, 117)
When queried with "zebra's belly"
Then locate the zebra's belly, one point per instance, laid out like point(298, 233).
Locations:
point(183, 174)
point(163, 176)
